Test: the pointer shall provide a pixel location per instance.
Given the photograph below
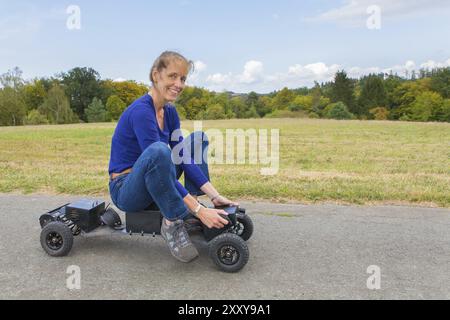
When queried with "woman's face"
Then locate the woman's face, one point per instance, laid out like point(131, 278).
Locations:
point(170, 81)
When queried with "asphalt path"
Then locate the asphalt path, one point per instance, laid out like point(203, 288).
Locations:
point(297, 252)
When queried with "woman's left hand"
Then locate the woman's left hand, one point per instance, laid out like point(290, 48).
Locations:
point(222, 201)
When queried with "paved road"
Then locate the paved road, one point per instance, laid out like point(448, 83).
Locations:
point(297, 252)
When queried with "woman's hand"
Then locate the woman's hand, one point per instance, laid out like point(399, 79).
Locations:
point(221, 201)
point(216, 198)
point(211, 217)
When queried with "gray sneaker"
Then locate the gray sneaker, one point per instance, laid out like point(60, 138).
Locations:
point(178, 240)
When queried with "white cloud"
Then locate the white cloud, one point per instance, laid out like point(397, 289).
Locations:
point(430, 64)
point(252, 74)
point(219, 79)
point(253, 77)
point(318, 70)
point(253, 71)
point(410, 65)
point(355, 11)
point(199, 66)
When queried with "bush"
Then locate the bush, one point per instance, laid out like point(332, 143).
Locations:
point(96, 111)
point(379, 113)
point(445, 111)
point(338, 111)
point(214, 112)
point(181, 112)
point(115, 107)
point(428, 106)
point(404, 117)
point(34, 117)
point(12, 108)
point(251, 113)
point(56, 107)
point(295, 107)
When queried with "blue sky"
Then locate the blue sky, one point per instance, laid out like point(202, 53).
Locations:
point(237, 45)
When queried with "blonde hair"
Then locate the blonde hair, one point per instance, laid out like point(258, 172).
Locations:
point(165, 58)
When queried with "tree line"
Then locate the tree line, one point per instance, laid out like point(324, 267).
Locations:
point(80, 95)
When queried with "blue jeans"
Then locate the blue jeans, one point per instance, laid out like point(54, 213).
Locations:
point(153, 177)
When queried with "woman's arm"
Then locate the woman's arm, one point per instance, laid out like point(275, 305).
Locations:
point(210, 217)
point(215, 196)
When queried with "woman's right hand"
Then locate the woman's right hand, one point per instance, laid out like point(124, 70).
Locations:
point(211, 217)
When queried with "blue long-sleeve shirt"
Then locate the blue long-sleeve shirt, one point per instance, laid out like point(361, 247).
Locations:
point(137, 129)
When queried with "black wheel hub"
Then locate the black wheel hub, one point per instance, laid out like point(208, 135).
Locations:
point(228, 255)
point(54, 241)
point(239, 229)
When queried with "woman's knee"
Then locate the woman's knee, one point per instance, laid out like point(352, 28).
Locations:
point(159, 154)
point(158, 150)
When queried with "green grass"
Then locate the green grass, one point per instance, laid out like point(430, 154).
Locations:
point(350, 162)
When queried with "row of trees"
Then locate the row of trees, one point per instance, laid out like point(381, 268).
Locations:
point(380, 96)
point(80, 95)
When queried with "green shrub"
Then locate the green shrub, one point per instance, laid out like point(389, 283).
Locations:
point(34, 117)
point(338, 111)
point(379, 113)
point(115, 107)
point(214, 112)
point(96, 111)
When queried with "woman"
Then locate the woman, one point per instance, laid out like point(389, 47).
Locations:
point(141, 168)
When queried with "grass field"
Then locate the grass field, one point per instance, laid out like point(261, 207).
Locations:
point(347, 162)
